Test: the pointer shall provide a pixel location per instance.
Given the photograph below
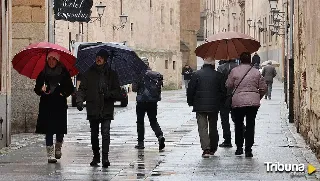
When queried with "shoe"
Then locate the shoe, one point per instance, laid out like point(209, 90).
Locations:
point(249, 154)
point(265, 97)
point(269, 98)
point(95, 160)
point(58, 152)
point(140, 145)
point(161, 142)
point(105, 164)
point(50, 154)
point(206, 154)
point(225, 145)
point(212, 152)
point(239, 151)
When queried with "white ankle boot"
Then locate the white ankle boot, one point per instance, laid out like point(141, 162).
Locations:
point(58, 152)
point(50, 154)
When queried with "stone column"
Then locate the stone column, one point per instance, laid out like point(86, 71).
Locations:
point(28, 26)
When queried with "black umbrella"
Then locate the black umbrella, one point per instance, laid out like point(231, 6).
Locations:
point(122, 59)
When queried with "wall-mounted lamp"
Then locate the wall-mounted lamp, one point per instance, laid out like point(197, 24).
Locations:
point(222, 11)
point(249, 22)
point(260, 26)
point(234, 15)
point(123, 21)
point(100, 9)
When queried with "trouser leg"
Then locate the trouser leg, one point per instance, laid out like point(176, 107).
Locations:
point(140, 111)
point(105, 132)
point(213, 131)
point(94, 128)
point(239, 119)
point(202, 120)
point(152, 111)
point(251, 113)
point(224, 115)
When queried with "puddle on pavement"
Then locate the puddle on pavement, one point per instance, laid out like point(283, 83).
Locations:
point(162, 173)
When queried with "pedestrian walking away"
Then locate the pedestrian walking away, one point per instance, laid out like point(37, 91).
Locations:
point(187, 73)
point(269, 72)
point(256, 61)
point(53, 85)
point(250, 88)
point(148, 90)
point(225, 69)
point(205, 93)
point(99, 87)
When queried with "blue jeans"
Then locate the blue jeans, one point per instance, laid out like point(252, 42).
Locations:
point(49, 139)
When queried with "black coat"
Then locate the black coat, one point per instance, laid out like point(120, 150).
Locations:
point(206, 91)
point(99, 104)
point(52, 117)
point(187, 73)
point(255, 59)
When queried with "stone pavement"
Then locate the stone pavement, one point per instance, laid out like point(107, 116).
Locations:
point(276, 141)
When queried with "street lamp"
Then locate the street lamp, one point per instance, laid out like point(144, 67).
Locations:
point(234, 15)
point(100, 9)
point(223, 11)
point(260, 26)
point(123, 21)
point(273, 4)
point(249, 22)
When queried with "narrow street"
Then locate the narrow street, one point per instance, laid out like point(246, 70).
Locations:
point(276, 141)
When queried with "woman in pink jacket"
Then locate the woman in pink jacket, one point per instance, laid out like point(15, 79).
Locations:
point(250, 87)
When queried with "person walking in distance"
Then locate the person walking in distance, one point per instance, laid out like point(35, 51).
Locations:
point(248, 89)
point(148, 89)
point(225, 69)
point(269, 72)
point(99, 86)
point(205, 93)
point(187, 73)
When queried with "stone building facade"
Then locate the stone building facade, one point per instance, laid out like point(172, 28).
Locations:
point(307, 71)
point(189, 27)
point(233, 15)
point(152, 30)
point(5, 73)
point(28, 26)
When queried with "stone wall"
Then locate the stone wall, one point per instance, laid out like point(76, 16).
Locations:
point(307, 71)
point(189, 27)
point(153, 29)
point(28, 26)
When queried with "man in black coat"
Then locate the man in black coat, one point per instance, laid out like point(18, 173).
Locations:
point(256, 60)
point(187, 73)
point(205, 93)
point(99, 86)
point(225, 69)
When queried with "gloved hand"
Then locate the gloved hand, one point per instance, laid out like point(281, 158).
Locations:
point(80, 106)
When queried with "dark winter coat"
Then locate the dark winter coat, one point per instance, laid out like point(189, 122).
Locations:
point(206, 91)
point(143, 93)
point(187, 73)
point(99, 101)
point(269, 72)
point(52, 117)
point(255, 59)
point(225, 69)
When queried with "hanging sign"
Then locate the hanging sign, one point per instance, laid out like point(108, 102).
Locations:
point(73, 10)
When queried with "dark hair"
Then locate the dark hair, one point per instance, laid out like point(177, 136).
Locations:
point(245, 58)
point(103, 53)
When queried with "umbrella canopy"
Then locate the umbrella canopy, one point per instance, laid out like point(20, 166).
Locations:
point(32, 59)
point(122, 59)
point(273, 63)
point(227, 45)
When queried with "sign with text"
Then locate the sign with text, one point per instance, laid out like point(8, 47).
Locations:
point(73, 10)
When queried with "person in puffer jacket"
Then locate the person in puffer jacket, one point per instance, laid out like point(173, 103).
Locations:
point(245, 101)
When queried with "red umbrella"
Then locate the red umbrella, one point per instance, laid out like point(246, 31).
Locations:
point(31, 60)
point(227, 45)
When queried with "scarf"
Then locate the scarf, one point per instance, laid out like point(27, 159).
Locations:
point(53, 76)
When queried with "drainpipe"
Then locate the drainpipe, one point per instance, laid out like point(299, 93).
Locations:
point(291, 67)
point(50, 21)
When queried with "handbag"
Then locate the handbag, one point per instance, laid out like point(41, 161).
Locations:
point(228, 101)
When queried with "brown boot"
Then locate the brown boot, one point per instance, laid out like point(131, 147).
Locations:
point(58, 152)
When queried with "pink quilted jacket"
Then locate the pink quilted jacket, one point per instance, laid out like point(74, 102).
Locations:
point(252, 88)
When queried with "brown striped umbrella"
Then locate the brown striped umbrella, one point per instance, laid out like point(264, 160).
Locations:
point(227, 45)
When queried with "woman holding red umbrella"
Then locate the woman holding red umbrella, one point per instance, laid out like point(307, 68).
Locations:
point(54, 85)
point(52, 66)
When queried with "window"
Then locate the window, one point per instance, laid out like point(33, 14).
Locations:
point(270, 22)
point(166, 64)
point(162, 14)
point(0, 49)
point(174, 65)
point(150, 4)
point(171, 16)
point(131, 28)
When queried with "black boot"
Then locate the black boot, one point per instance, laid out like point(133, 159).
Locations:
point(140, 145)
point(226, 144)
point(239, 151)
point(248, 152)
point(161, 142)
point(96, 159)
point(105, 161)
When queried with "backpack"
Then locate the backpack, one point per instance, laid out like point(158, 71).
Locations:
point(153, 82)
